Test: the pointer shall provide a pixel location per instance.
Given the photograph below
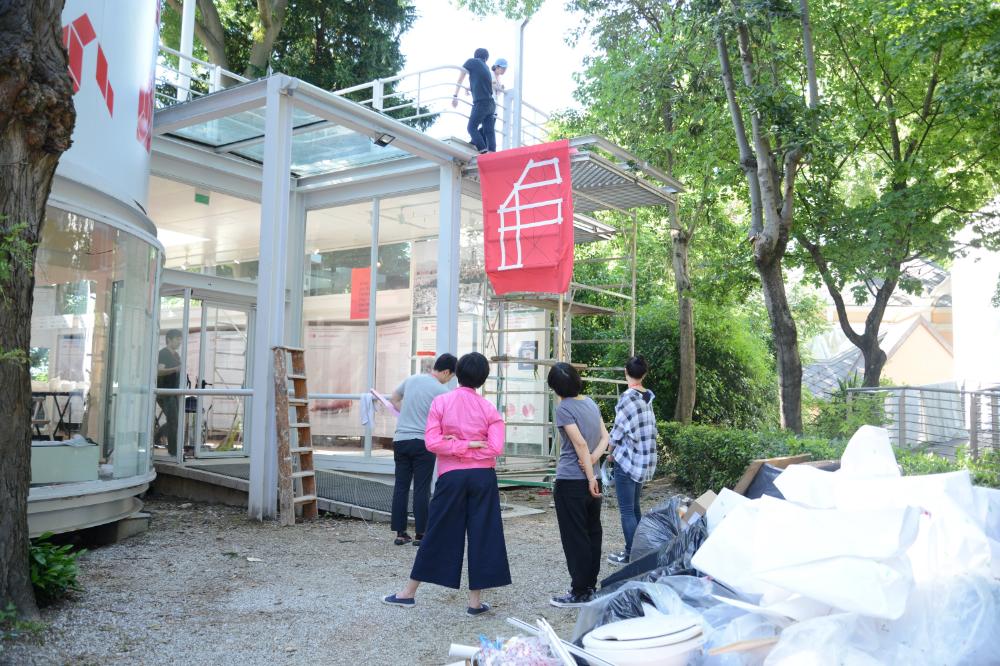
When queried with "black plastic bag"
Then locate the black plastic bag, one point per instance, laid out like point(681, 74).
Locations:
point(676, 542)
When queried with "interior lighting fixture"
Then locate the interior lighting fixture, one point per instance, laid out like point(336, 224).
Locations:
point(383, 140)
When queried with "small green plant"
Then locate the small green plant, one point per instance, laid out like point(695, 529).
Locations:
point(11, 628)
point(53, 569)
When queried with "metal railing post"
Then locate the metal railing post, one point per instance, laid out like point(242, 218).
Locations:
point(508, 104)
point(215, 79)
point(901, 419)
point(974, 425)
point(995, 420)
point(378, 88)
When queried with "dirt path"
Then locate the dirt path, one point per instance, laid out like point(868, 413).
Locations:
point(185, 592)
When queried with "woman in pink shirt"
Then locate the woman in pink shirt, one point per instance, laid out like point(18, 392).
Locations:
point(467, 434)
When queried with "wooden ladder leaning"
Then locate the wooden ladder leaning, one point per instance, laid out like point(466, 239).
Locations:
point(296, 482)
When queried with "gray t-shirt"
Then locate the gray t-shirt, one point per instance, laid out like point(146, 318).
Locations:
point(587, 417)
point(418, 392)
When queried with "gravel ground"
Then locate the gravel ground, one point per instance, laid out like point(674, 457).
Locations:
point(192, 591)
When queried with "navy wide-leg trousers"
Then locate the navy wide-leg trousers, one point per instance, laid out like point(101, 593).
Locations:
point(465, 502)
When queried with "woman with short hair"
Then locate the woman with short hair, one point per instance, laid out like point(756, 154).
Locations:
point(466, 433)
point(577, 490)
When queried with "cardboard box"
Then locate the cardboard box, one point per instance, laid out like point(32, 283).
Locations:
point(754, 467)
point(700, 506)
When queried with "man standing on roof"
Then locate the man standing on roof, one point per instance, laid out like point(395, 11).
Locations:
point(482, 119)
point(498, 69)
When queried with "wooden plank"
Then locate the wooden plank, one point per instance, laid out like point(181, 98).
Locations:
point(286, 511)
point(744, 646)
point(751, 471)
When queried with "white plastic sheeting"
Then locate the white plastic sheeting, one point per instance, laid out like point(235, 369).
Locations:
point(875, 567)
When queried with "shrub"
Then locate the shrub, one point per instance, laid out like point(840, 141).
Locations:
point(735, 373)
point(702, 457)
point(53, 569)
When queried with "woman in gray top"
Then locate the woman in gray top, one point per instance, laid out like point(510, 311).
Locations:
point(577, 489)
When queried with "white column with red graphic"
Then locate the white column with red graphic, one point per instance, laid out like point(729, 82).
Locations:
point(112, 47)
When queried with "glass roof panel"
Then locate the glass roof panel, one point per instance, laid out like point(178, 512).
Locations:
point(237, 127)
point(331, 148)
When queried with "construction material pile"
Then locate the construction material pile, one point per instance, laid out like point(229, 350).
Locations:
point(855, 566)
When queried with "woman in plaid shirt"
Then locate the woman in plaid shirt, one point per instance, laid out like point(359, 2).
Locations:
point(633, 442)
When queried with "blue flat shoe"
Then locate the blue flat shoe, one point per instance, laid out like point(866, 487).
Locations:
point(393, 600)
point(483, 608)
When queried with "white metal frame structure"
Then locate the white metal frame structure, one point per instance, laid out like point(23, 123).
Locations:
point(286, 191)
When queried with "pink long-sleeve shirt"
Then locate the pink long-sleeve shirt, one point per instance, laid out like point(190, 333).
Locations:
point(457, 418)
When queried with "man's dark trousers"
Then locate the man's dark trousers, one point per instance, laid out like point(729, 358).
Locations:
point(579, 516)
point(413, 463)
point(482, 117)
point(170, 404)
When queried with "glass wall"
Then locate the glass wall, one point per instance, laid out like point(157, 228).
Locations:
point(91, 351)
point(335, 319)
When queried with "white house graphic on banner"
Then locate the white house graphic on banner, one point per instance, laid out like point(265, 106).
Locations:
point(512, 207)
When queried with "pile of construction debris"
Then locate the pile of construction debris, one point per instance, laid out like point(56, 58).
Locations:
point(836, 562)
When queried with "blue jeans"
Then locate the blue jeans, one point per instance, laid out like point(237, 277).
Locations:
point(482, 125)
point(628, 491)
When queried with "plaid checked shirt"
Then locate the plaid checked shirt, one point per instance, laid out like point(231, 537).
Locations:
point(633, 435)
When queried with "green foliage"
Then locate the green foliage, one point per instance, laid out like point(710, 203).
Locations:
point(12, 628)
point(330, 43)
point(15, 250)
point(512, 9)
point(836, 418)
point(734, 367)
point(53, 569)
point(703, 457)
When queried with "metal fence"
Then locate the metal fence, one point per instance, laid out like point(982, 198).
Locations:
point(937, 418)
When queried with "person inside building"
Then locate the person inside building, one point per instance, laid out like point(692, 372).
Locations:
point(482, 118)
point(577, 491)
point(414, 463)
point(168, 376)
point(467, 433)
point(633, 448)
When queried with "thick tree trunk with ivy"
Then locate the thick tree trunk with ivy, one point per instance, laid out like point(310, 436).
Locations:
point(36, 122)
point(686, 383)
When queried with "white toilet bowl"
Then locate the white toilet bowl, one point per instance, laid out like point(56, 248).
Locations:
point(655, 638)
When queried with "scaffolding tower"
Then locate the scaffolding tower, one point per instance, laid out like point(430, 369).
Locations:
point(533, 439)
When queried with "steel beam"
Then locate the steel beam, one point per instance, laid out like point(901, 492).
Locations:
point(449, 239)
point(269, 324)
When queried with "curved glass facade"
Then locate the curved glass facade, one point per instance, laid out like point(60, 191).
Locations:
point(92, 334)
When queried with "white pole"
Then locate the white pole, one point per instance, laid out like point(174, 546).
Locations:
point(449, 243)
point(269, 327)
point(187, 49)
point(519, 88)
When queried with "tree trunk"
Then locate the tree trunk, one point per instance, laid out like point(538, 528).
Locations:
point(686, 384)
point(786, 347)
point(272, 18)
point(875, 359)
point(36, 122)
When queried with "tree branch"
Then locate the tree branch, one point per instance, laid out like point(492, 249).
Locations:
point(835, 293)
point(748, 161)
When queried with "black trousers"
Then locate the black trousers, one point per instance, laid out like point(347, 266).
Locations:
point(169, 404)
point(466, 502)
point(579, 517)
point(413, 463)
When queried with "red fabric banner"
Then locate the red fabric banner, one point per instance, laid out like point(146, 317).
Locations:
point(528, 218)
point(361, 281)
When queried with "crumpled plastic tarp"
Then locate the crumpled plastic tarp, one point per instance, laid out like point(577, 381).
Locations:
point(947, 621)
point(855, 539)
point(722, 623)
